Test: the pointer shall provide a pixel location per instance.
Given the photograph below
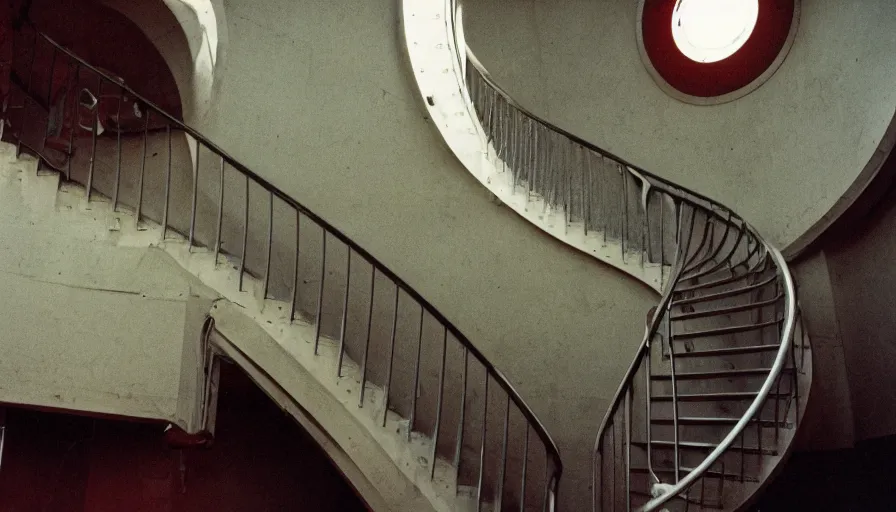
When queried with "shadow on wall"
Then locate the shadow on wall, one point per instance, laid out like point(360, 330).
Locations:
point(107, 39)
point(859, 478)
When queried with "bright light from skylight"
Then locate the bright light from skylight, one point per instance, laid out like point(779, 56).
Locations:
point(712, 30)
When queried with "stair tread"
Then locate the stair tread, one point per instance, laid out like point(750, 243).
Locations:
point(685, 470)
point(717, 374)
point(699, 445)
point(752, 349)
point(726, 310)
point(723, 395)
point(720, 281)
point(717, 331)
point(696, 420)
point(724, 294)
point(694, 501)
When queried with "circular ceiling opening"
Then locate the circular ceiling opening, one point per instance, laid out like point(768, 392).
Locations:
point(712, 30)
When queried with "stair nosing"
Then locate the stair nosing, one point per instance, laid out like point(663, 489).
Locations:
point(718, 374)
point(724, 294)
point(697, 445)
point(751, 349)
point(721, 331)
point(726, 310)
point(719, 396)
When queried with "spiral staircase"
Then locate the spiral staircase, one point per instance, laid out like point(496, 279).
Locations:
point(717, 388)
point(299, 305)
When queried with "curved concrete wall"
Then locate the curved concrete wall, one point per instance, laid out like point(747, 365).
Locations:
point(781, 156)
point(314, 96)
point(191, 36)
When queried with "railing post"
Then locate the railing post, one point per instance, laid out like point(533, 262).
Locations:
point(117, 150)
point(367, 343)
point(504, 441)
point(481, 483)
point(295, 269)
point(220, 221)
point(71, 133)
point(243, 255)
point(194, 197)
point(671, 342)
point(318, 320)
point(167, 182)
point(96, 124)
point(142, 167)
point(391, 355)
point(342, 323)
point(441, 392)
point(525, 465)
point(27, 98)
point(463, 413)
point(270, 245)
point(413, 414)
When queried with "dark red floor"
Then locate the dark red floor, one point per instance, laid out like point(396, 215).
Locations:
point(261, 460)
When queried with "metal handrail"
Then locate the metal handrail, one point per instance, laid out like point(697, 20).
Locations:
point(554, 463)
point(712, 209)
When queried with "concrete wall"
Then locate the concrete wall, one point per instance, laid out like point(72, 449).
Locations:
point(828, 423)
point(89, 325)
point(864, 291)
point(314, 97)
point(797, 143)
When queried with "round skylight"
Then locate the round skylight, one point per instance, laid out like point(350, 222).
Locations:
point(712, 30)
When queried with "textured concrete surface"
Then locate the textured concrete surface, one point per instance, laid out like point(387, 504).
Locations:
point(315, 97)
point(89, 325)
point(336, 125)
point(799, 141)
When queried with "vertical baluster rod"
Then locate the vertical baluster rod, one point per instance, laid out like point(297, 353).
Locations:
point(504, 442)
point(391, 354)
point(416, 376)
point(367, 343)
point(167, 183)
point(479, 485)
point(243, 255)
point(96, 124)
point(463, 415)
point(267, 260)
point(318, 320)
point(220, 222)
point(295, 269)
point(441, 394)
point(524, 468)
point(118, 151)
point(342, 323)
point(142, 166)
point(71, 133)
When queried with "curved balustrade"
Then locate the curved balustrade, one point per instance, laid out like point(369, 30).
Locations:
point(711, 401)
point(122, 148)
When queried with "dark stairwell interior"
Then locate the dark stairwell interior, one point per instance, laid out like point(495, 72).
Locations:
point(260, 460)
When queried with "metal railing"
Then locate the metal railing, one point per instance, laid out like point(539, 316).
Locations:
point(723, 286)
point(123, 148)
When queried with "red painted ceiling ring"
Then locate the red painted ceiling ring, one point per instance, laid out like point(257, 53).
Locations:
point(725, 80)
